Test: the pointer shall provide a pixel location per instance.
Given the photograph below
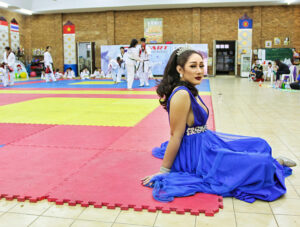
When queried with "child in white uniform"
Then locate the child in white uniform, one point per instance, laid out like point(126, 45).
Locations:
point(85, 74)
point(43, 75)
point(3, 76)
point(132, 58)
point(113, 69)
point(48, 65)
point(98, 74)
point(58, 75)
point(69, 74)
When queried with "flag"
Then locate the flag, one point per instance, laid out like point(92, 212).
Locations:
point(14, 27)
point(245, 23)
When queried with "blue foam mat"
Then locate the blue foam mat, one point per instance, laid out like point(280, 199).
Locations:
point(204, 86)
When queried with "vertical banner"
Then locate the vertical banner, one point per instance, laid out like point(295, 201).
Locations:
point(3, 36)
point(14, 35)
point(153, 30)
point(245, 36)
point(69, 47)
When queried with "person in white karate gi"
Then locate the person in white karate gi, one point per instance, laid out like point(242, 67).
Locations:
point(3, 76)
point(69, 74)
point(123, 56)
point(9, 60)
point(114, 69)
point(58, 75)
point(98, 74)
point(131, 62)
point(48, 63)
point(85, 74)
point(143, 67)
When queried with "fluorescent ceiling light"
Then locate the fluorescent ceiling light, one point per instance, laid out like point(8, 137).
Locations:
point(289, 1)
point(3, 4)
point(25, 11)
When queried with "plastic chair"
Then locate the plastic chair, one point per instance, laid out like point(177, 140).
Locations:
point(290, 75)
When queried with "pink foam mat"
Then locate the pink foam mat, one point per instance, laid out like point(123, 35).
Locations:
point(31, 172)
point(113, 179)
point(10, 133)
point(75, 136)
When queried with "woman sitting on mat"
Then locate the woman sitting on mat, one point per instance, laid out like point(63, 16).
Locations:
point(196, 159)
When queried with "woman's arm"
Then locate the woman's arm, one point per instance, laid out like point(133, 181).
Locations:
point(179, 109)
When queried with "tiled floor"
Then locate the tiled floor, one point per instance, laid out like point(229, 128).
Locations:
point(240, 107)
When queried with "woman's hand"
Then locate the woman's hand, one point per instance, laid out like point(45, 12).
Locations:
point(147, 179)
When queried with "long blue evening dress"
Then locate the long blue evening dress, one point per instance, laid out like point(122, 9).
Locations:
point(219, 163)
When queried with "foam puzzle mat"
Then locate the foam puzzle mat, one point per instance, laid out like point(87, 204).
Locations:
point(57, 143)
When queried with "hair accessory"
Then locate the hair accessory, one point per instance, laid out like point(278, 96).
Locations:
point(183, 49)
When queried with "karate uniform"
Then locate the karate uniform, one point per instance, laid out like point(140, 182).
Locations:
point(3, 77)
point(85, 75)
point(132, 58)
point(58, 75)
point(70, 74)
point(144, 66)
point(114, 70)
point(48, 63)
point(10, 63)
point(98, 75)
point(123, 64)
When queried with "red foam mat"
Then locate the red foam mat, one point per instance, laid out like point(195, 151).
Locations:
point(35, 171)
point(75, 136)
point(10, 133)
point(113, 179)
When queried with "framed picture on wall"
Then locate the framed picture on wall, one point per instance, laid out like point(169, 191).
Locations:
point(276, 41)
point(268, 44)
point(153, 30)
point(286, 41)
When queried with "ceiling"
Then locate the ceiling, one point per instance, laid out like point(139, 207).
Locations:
point(59, 6)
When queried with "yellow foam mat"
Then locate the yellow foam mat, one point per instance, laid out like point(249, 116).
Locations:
point(79, 111)
point(93, 82)
point(112, 92)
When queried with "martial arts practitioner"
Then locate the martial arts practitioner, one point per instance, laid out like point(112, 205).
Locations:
point(58, 75)
point(48, 62)
point(9, 59)
point(123, 56)
point(85, 74)
point(98, 74)
point(114, 69)
point(132, 59)
point(3, 75)
point(144, 66)
point(69, 74)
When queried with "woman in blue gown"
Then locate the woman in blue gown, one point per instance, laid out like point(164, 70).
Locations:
point(196, 159)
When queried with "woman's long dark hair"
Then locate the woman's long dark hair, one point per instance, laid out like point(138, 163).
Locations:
point(171, 77)
point(133, 43)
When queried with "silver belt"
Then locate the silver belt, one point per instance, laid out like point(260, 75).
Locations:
point(195, 130)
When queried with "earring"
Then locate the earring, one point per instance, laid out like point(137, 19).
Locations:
point(180, 75)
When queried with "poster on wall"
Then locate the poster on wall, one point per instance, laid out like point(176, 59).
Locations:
point(3, 36)
point(286, 41)
point(268, 44)
point(153, 30)
point(14, 35)
point(69, 47)
point(276, 41)
point(244, 36)
point(160, 54)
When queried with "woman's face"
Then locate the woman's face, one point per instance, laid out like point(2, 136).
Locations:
point(193, 71)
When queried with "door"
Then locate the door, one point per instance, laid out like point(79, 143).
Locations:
point(214, 57)
point(86, 56)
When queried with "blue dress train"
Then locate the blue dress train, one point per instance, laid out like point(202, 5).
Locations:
point(219, 163)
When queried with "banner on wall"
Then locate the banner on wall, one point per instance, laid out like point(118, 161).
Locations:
point(69, 47)
point(14, 35)
point(153, 30)
point(244, 36)
point(160, 54)
point(4, 36)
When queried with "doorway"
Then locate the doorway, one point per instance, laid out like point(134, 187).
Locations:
point(86, 56)
point(225, 57)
